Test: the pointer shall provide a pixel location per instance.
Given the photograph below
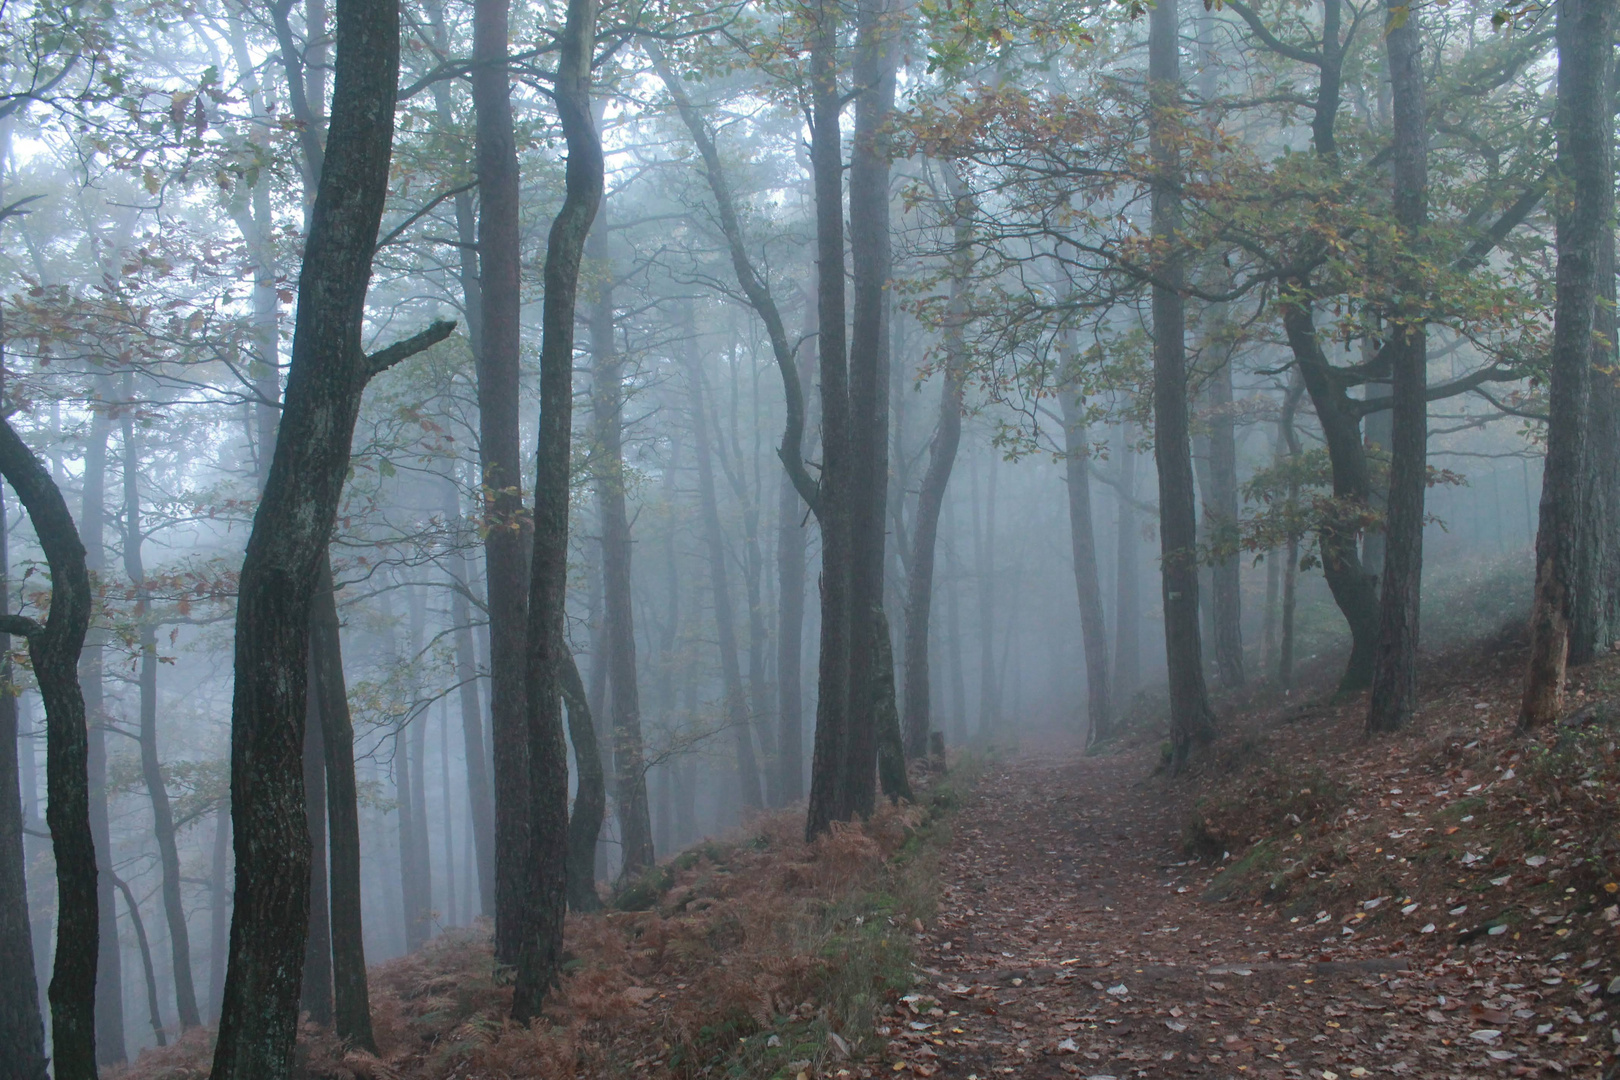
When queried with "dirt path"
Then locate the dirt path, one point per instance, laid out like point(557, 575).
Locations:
point(1072, 940)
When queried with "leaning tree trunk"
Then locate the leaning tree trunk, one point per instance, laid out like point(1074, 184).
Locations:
point(590, 797)
point(22, 1030)
point(607, 408)
point(540, 957)
point(287, 546)
point(499, 442)
point(185, 992)
point(1585, 159)
point(351, 997)
point(1191, 721)
point(154, 1010)
point(1083, 541)
point(54, 652)
point(941, 460)
point(1394, 689)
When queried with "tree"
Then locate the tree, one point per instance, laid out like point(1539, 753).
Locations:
point(54, 652)
point(1191, 721)
point(1083, 541)
point(1394, 689)
point(327, 374)
point(540, 956)
point(1585, 162)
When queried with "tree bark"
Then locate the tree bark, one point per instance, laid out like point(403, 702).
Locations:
point(1394, 688)
point(154, 1011)
point(54, 651)
point(151, 768)
point(1585, 160)
point(607, 413)
point(1191, 721)
point(891, 751)
point(1082, 537)
point(540, 958)
point(287, 546)
point(351, 998)
point(497, 357)
point(481, 804)
point(315, 997)
point(941, 460)
point(22, 1029)
point(590, 797)
point(1127, 578)
point(1221, 523)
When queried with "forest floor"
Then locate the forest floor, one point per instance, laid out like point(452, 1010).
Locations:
point(1309, 903)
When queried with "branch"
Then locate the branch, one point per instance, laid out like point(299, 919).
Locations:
point(398, 230)
point(1524, 414)
point(21, 625)
point(1441, 391)
point(1270, 40)
point(383, 359)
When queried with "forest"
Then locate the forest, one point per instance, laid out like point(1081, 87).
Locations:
point(808, 539)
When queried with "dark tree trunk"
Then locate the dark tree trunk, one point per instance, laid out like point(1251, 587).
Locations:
point(748, 784)
point(1082, 536)
point(1585, 160)
point(315, 997)
point(1394, 688)
point(110, 1048)
point(790, 568)
point(351, 998)
point(1191, 721)
point(590, 797)
point(22, 1030)
point(219, 908)
point(1127, 578)
point(154, 1011)
point(868, 433)
point(931, 494)
point(151, 768)
point(1596, 624)
point(54, 651)
point(607, 408)
point(499, 236)
point(833, 498)
point(891, 751)
point(547, 648)
point(287, 547)
point(1221, 524)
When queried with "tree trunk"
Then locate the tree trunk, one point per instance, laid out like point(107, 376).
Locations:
point(868, 433)
point(153, 1009)
point(590, 797)
point(1127, 578)
point(547, 648)
point(607, 409)
point(984, 535)
point(54, 652)
point(315, 998)
point(941, 460)
point(833, 497)
point(481, 805)
point(109, 1016)
point(452, 916)
point(1394, 688)
point(420, 889)
point(22, 1030)
point(1221, 524)
point(1191, 721)
point(500, 301)
point(151, 769)
point(1093, 625)
point(748, 784)
point(351, 998)
point(1289, 437)
point(1585, 160)
point(891, 751)
point(219, 908)
point(287, 546)
point(1596, 624)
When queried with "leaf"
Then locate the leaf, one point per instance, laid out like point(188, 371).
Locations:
point(1397, 18)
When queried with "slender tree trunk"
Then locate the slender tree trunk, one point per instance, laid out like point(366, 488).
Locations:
point(448, 826)
point(351, 999)
point(984, 534)
point(151, 768)
point(287, 546)
point(500, 301)
point(1127, 578)
point(1082, 536)
point(607, 407)
point(1191, 721)
point(1289, 437)
point(870, 262)
point(891, 750)
point(1394, 688)
point(590, 797)
point(154, 1010)
point(941, 460)
point(421, 837)
point(1221, 523)
point(315, 998)
point(481, 805)
point(109, 1014)
point(219, 907)
point(54, 651)
point(547, 649)
point(958, 729)
point(22, 1030)
point(1585, 160)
